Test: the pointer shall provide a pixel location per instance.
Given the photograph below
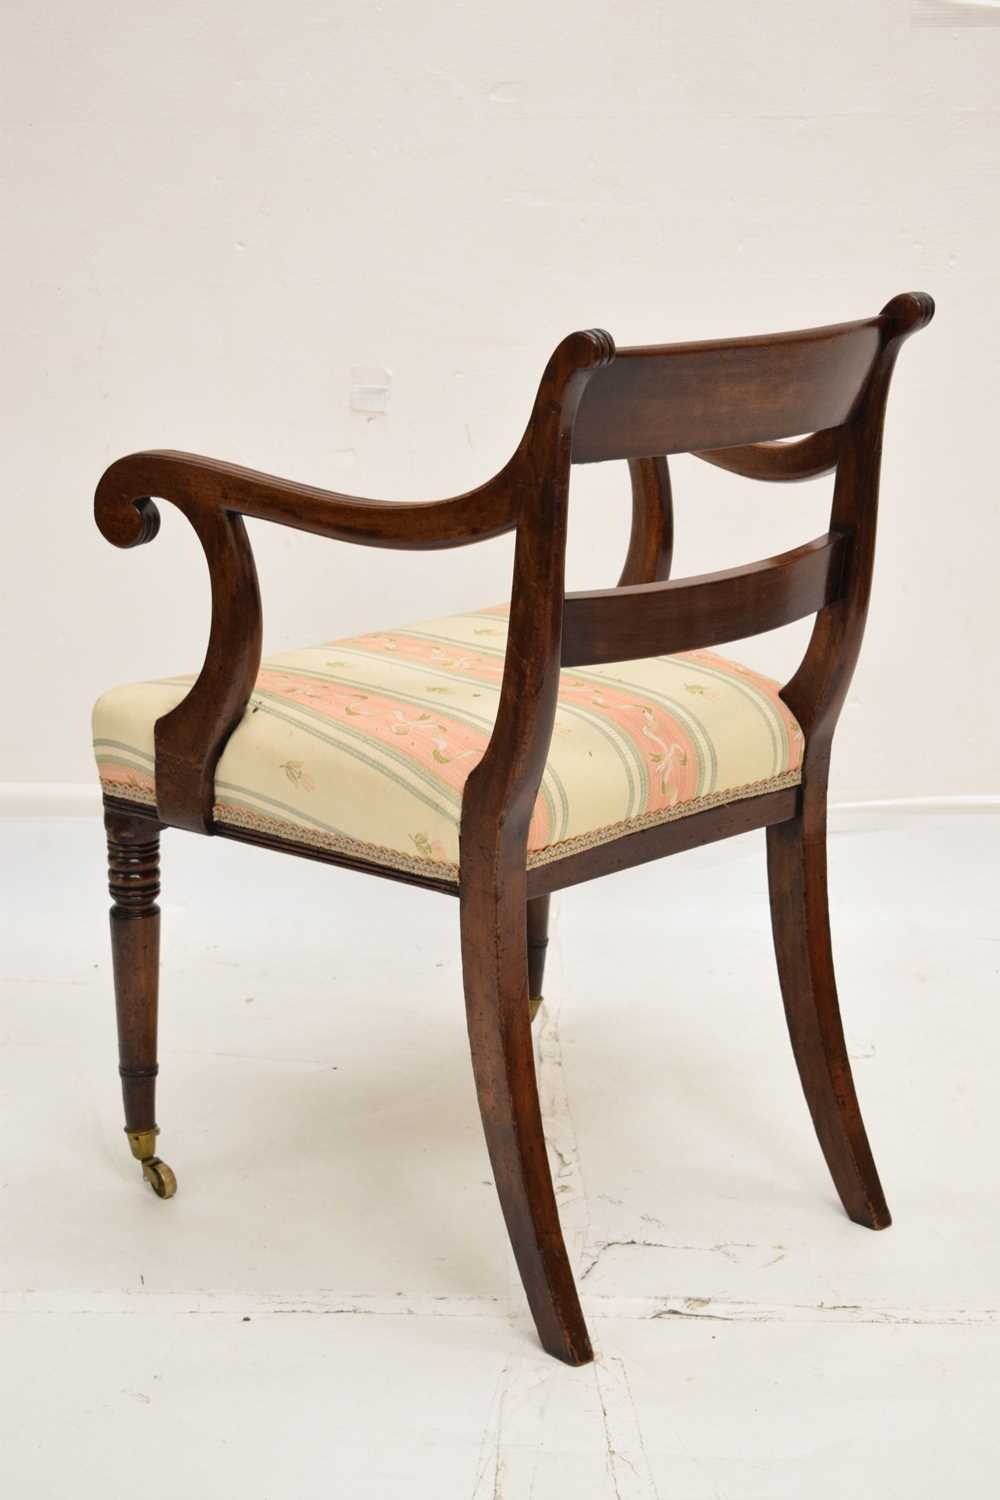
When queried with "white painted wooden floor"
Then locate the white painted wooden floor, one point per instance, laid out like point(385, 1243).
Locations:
point(328, 1306)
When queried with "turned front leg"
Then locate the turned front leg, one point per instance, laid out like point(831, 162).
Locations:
point(134, 882)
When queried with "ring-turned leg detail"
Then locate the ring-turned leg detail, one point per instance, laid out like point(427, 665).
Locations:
point(134, 882)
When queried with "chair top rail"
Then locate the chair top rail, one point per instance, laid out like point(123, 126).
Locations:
point(687, 398)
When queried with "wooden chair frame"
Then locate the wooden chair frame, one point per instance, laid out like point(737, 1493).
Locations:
point(729, 402)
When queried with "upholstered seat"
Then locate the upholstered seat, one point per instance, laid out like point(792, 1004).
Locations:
point(363, 746)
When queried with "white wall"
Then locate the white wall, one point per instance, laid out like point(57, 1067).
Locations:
point(215, 211)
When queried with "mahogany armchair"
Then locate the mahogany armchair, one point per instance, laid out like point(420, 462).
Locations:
point(499, 759)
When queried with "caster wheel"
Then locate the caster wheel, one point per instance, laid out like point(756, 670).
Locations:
point(160, 1177)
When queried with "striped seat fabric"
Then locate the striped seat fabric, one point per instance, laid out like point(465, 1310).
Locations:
point(362, 746)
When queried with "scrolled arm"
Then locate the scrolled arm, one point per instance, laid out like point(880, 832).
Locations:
point(189, 740)
point(527, 494)
point(127, 516)
point(215, 497)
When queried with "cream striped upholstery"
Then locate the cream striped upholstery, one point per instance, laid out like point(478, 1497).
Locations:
point(363, 746)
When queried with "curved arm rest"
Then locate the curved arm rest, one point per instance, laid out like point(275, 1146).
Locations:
point(127, 516)
point(215, 497)
point(805, 458)
point(189, 740)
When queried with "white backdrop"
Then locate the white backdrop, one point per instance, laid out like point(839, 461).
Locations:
point(214, 212)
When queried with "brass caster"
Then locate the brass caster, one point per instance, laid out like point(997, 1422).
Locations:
point(160, 1177)
point(534, 1005)
point(156, 1172)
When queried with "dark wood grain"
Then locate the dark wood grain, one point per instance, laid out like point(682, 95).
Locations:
point(796, 869)
point(727, 402)
point(657, 619)
point(689, 832)
point(797, 853)
point(788, 462)
point(191, 481)
point(134, 883)
point(496, 811)
point(817, 691)
point(190, 738)
point(538, 944)
point(686, 398)
point(651, 540)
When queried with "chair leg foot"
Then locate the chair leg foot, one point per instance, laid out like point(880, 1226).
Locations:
point(796, 866)
point(156, 1172)
point(134, 879)
point(494, 951)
